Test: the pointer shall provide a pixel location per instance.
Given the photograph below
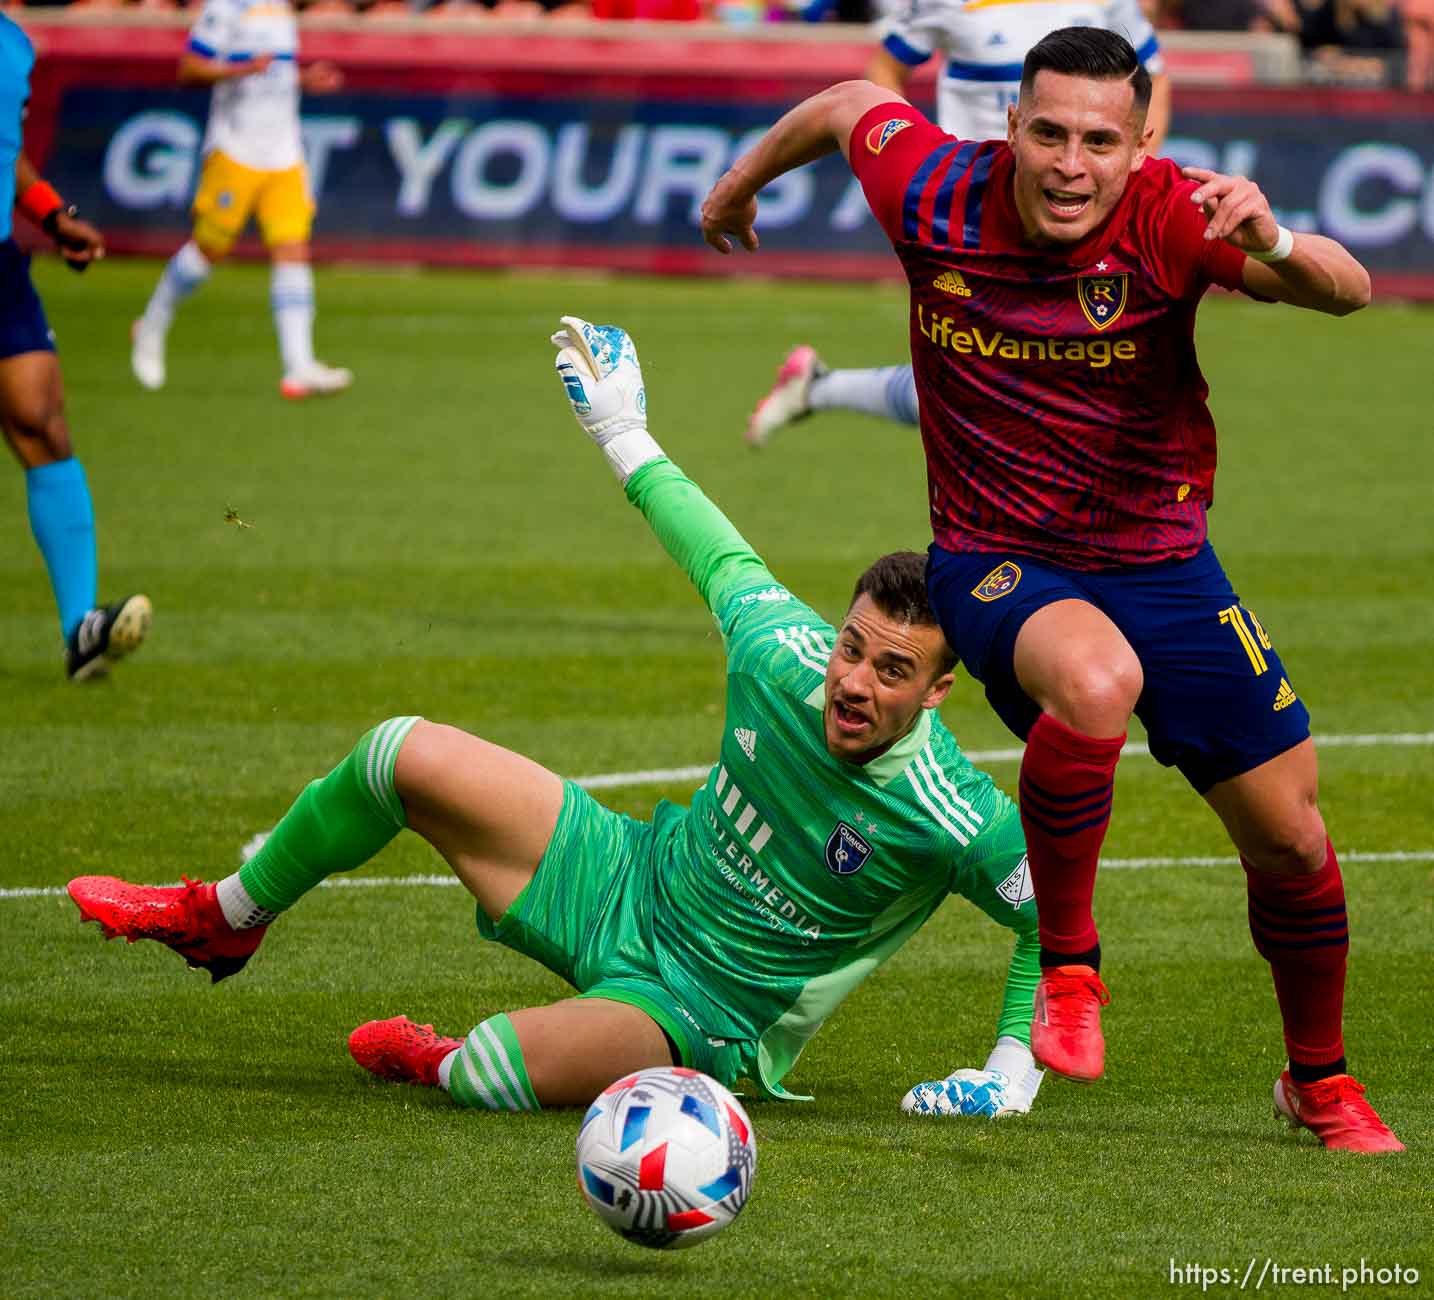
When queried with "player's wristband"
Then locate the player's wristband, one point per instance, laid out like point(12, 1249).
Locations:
point(629, 451)
point(51, 224)
point(40, 202)
point(1284, 246)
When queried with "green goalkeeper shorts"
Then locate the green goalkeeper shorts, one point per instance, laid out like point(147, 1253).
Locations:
point(587, 916)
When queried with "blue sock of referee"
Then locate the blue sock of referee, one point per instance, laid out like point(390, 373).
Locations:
point(62, 520)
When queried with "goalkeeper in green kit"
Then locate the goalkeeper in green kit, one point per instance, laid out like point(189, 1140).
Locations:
point(839, 816)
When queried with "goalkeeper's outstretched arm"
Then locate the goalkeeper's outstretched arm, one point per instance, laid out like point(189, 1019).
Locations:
point(603, 381)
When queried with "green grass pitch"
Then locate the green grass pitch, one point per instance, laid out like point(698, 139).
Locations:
point(444, 541)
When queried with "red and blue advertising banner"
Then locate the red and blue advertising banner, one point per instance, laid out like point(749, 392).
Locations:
point(566, 145)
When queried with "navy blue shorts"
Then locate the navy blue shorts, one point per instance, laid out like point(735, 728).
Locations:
point(23, 327)
point(1217, 700)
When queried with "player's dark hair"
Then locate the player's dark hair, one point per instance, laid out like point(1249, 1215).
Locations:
point(896, 584)
point(1088, 52)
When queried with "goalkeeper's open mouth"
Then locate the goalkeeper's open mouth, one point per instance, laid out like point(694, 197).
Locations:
point(849, 721)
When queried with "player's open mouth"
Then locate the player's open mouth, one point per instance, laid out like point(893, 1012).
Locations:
point(1065, 203)
point(849, 719)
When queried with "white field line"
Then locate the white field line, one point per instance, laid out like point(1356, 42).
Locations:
point(442, 882)
point(672, 775)
point(667, 775)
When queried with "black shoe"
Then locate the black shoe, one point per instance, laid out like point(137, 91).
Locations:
point(105, 635)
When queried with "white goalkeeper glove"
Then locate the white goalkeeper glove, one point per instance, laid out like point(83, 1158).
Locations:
point(601, 376)
point(1006, 1086)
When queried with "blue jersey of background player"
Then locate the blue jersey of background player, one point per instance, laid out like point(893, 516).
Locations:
point(32, 397)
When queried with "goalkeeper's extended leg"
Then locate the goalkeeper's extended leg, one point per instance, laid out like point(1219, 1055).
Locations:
point(338, 823)
point(488, 811)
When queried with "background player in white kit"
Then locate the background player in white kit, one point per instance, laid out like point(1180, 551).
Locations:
point(984, 43)
point(247, 50)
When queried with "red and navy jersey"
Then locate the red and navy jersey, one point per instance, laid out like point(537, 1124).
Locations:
point(1062, 408)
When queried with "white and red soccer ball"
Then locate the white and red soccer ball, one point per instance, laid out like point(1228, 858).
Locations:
point(666, 1157)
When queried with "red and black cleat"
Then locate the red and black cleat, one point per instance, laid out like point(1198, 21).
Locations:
point(1335, 1111)
point(1065, 1026)
point(399, 1050)
point(186, 917)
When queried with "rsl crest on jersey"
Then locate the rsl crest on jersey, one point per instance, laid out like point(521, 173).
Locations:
point(1001, 581)
point(1103, 296)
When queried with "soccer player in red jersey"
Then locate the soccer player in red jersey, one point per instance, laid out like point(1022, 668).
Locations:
point(1071, 455)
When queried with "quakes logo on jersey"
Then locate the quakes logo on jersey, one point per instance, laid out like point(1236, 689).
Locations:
point(1103, 297)
point(847, 852)
point(877, 137)
point(1001, 581)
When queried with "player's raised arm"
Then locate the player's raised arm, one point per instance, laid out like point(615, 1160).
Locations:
point(815, 128)
point(603, 381)
point(1303, 270)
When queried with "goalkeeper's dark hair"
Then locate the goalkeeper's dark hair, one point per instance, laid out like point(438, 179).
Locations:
point(1088, 52)
point(896, 584)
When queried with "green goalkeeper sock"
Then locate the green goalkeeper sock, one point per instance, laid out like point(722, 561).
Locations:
point(488, 1072)
point(338, 823)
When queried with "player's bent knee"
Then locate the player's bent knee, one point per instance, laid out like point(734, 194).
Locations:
point(1297, 847)
point(423, 757)
point(1098, 697)
point(39, 424)
point(214, 241)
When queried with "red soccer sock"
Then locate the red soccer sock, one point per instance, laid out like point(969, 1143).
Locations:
point(1300, 928)
point(1067, 783)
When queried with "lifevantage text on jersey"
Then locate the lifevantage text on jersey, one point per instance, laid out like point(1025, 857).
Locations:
point(944, 332)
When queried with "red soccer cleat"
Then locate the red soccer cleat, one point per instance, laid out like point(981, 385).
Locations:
point(186, 918)
point(788, 399)
point(399, 1050)
point(1335, 1111)
point(1065, 1028)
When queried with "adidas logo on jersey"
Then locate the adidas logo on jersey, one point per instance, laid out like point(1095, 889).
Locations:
point(951, 282)
point(748, 741)
point(1285, 696)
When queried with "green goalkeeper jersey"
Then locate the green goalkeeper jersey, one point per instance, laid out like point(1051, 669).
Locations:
point(793, 875)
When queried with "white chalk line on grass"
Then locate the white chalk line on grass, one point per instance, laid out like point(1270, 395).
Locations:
point(667, 775)
point(671, 775)
point(425, 882)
